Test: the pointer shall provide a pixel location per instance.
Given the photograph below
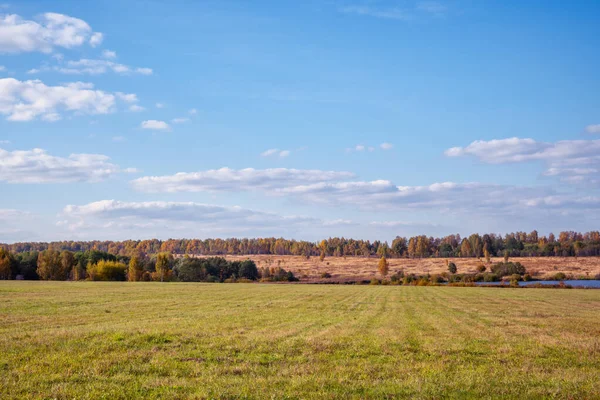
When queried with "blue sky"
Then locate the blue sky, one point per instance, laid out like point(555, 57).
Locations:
point(307, 119)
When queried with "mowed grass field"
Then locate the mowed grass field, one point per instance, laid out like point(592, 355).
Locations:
point(91, 340)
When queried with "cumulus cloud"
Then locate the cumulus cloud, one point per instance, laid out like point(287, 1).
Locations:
point(572, 159)
point(275, 152)
point(2, 68)
point(593, 128)
point(226, 179)
point(37, 166)
point(153, 124)
point(51, 30)
point(28, 100)
point(386, 146)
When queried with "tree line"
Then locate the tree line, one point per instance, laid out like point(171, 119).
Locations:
point(98, 265)
point(518, 244)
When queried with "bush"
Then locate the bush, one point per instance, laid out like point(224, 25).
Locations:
point(452, 268)
point(508, 268)
point(107, 271)
point(560, 276)
point(481, 268)
point(374, 282)
point(326, 275)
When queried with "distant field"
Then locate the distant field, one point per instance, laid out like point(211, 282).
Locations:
point(357, 268)
point(174, 340)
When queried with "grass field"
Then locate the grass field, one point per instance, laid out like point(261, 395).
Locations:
point(364, 268)
point(174, 340)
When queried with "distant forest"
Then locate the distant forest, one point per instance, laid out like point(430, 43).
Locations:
point(522, 244)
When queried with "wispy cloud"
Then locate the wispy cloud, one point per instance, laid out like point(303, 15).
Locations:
point(593, 128)
point(432, 8)
point(386, 13)
point(180, 120)
point(275, 152)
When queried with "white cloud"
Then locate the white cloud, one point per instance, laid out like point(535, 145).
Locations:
point(27, 100)
point(593, 128)
point(118, 139)
point(359, 147)
point(87, 66)
point(4, 141)
point(568, 158)
point(37, 166)
point(51, 117)
point(179, 120)
point(386, 146)
point(155, 125)
point(275, 152)
point(226, 179)
point(166, 217)
point(2, 68)
point(269, 152)
point(144, 71)
point(18, 35)
point(160, 105)
point(109, 54)
point(193, 111)
point(96, 39)
point(136, 108)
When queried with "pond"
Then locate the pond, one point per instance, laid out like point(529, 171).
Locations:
point(574, 283)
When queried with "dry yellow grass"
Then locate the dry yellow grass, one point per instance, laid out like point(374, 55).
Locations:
point(362, 268)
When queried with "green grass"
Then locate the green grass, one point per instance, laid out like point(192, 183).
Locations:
point(174, 340)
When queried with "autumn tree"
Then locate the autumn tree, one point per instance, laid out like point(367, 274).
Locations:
point(6, 264)
point(399, 246)
point(67, 262)
point(50, 266)
point(486, 254)
point(383, 266)
point(163, 265)
point(422, 247)
point(135, 269)
point(465, 248)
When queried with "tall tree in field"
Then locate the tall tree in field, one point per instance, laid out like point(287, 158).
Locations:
point(6, 264)
point(465, 248)
point(383, 266)
point(163, 263)
point(486, 254)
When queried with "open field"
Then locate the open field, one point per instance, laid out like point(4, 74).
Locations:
point(176, 340)
point(363, 268)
